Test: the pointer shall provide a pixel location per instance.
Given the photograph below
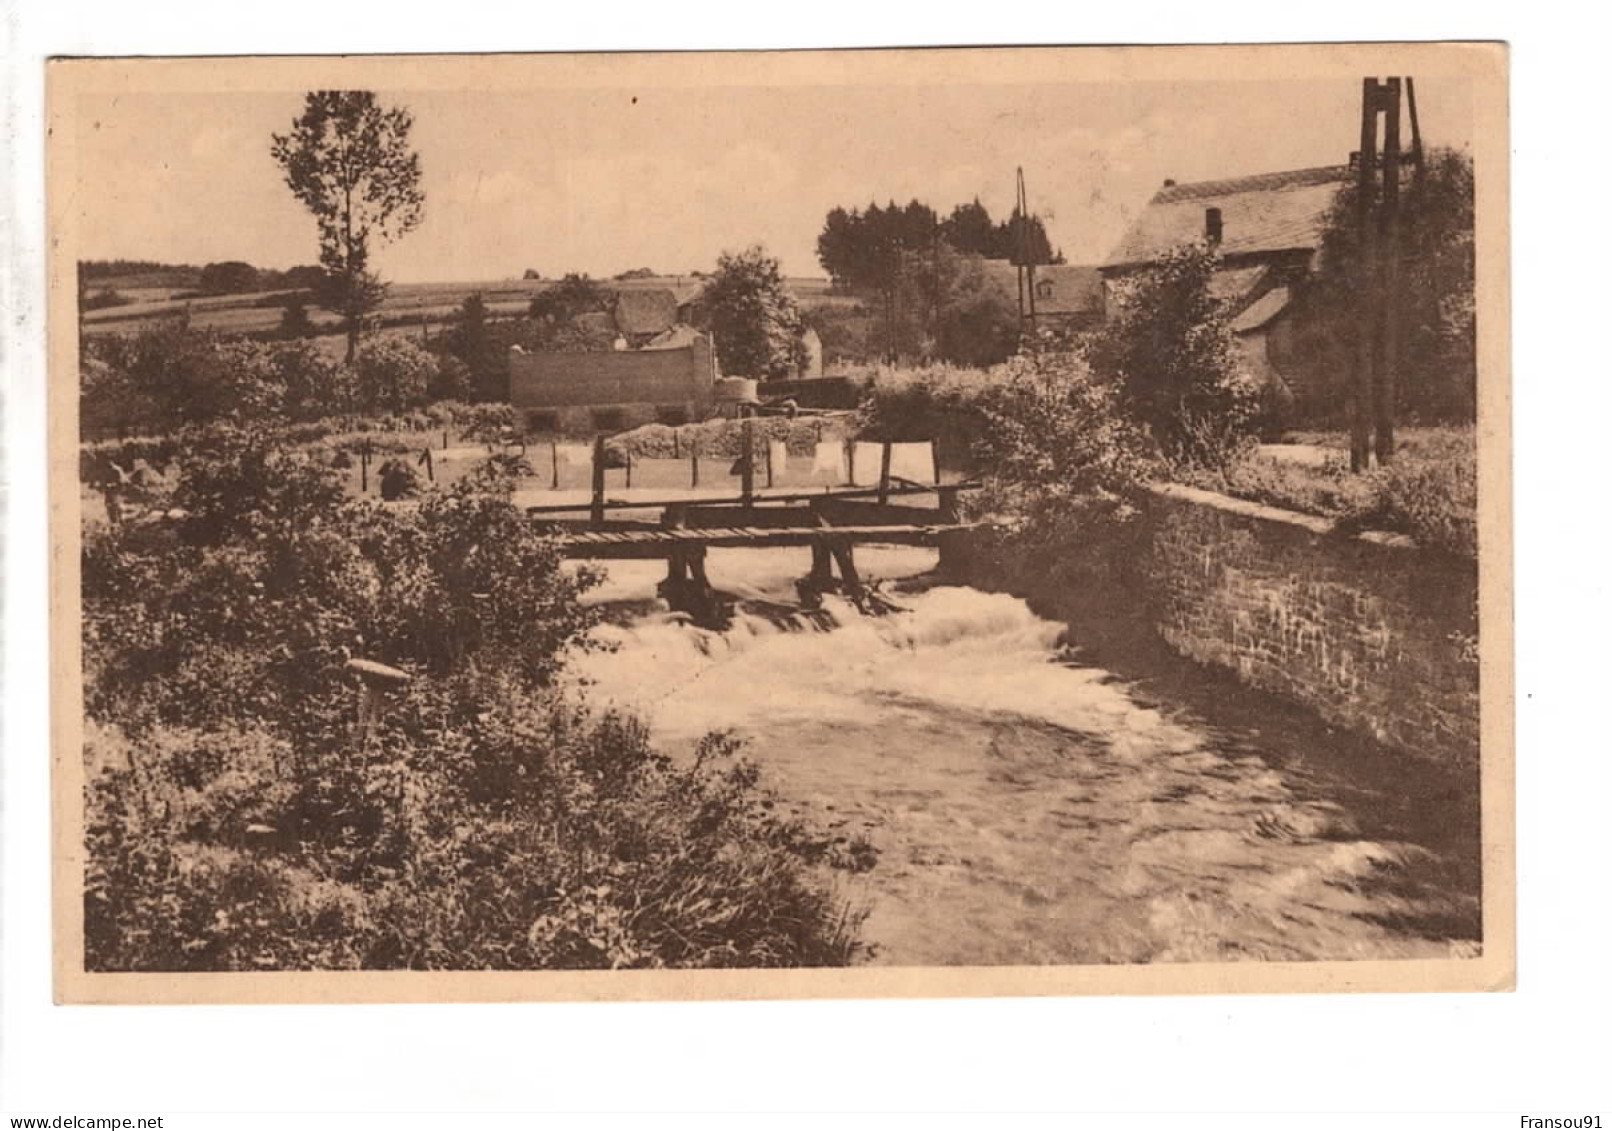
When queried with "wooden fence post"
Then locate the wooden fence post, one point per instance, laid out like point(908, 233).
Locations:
point(747, 465)
point(596, 514)
point(884, 474)
point(554, 464)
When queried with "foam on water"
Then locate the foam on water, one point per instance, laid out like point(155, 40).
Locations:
point(1026, 808)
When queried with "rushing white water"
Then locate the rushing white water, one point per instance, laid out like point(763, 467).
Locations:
point(1026, 808)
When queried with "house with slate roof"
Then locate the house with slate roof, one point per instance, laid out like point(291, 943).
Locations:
point(1268, 229)
point(643, 313)
point(1067, 296)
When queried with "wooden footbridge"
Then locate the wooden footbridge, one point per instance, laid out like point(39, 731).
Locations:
point(831, 523)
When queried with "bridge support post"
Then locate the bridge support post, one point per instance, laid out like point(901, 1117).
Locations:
point(849, 580)
point(687, 588)
point(822, 574)
point(827, 554)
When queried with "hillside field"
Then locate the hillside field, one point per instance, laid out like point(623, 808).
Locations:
point(408, 307)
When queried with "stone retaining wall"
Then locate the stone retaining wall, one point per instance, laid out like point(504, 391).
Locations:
point(1374, 633)
point(1371, 631)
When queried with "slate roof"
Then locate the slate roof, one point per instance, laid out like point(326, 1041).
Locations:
point(1269, 212)
point(645, 310)
point(1233, 285)
point(1261, 311)
point(673, 339)
point(1076, 289)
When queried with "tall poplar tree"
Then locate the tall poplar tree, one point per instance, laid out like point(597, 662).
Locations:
point(347, 158)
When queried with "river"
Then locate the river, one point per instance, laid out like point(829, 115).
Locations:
point(1029, 805)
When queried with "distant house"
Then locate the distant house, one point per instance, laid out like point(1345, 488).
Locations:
point(641, 313)
point(659, 369)
point(1067, 296)
point(608, 390)
point(1268, 229)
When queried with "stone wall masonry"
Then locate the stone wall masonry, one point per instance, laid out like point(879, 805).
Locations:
point(1371, 631)
point(1376, 635)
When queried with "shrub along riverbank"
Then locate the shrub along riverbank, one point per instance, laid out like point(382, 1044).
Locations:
point(237, 819)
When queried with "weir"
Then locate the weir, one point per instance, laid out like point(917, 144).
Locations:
point(832, 524)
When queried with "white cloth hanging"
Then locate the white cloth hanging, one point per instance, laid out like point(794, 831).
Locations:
point(915, 462)
point(777, 459)
point(828, 462)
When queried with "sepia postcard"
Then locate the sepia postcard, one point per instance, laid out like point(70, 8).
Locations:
point(878, 523)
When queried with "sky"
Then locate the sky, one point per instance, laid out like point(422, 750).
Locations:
point(604, 180)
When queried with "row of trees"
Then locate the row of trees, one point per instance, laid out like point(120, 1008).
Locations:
point(867, 248)
point(928, 296)
point(171, 377)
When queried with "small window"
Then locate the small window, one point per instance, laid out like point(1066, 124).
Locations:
point(671, 415)
point(1043, 289)
point(541, 423)
point(607, 419)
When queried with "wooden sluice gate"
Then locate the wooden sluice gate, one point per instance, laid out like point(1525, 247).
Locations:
point(830, 524)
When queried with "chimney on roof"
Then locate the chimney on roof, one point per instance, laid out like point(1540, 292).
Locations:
point(1169, 182)
point(1213, 225)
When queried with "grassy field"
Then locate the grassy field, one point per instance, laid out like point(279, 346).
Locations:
point(434, 303)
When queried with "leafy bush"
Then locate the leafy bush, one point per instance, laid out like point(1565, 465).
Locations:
point(1168, 347)
point(236, 819)
point(313, 385)
point(452, 380)
point(1057, 444)
point(171, 377)
point(1429, 492)
point(475, 831)
point(934, 402)
point(398, 480)
point(394, 374)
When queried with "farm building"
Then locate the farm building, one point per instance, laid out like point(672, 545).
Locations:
point(1067, 296)
point(1268, 229)
point(661, 369)
point(605, 391)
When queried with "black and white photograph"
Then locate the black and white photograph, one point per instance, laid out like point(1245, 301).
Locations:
point(803, 524)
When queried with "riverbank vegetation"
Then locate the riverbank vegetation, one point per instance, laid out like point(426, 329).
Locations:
point(1158, 393)
point(1429, 492)
point(239, 815)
